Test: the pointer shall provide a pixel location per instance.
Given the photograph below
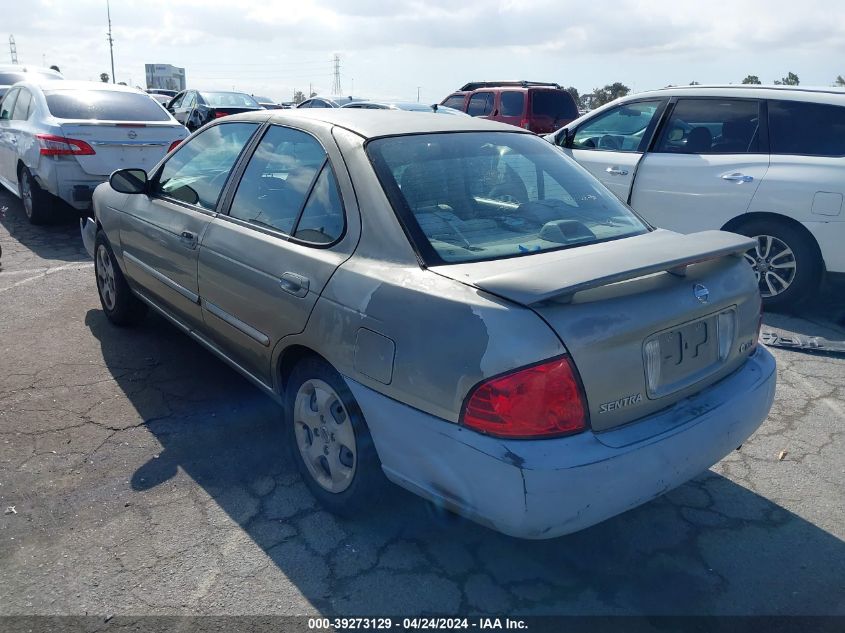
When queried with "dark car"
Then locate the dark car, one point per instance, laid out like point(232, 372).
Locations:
point(536, 106)
point(195, 108)
point(162, 91)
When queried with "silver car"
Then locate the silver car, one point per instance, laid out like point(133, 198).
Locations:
point(446, 301)
point(60, 139)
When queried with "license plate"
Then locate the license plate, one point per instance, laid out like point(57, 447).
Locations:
point(686, 353)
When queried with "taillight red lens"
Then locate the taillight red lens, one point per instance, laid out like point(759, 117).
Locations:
point(542, 400)
point(52, 145)
point(174, 145)
point(219, 115)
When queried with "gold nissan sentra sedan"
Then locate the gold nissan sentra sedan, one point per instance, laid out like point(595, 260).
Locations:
point(446, 301)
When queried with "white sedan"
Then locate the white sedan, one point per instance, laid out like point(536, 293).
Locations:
point(62, 139)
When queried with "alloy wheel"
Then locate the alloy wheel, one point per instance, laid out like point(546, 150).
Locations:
point(26, 194)
point(325, 436)
point(105, 277)
point(774, 265)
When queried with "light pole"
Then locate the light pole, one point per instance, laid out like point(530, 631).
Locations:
point(418, 93)
point(111, 42)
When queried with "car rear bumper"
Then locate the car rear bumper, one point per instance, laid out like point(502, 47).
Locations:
point(830, 236)
point(547, 488)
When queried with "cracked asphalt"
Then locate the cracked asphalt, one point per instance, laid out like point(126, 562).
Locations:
point(146, 477)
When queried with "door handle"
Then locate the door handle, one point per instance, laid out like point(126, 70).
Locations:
point(188, 238)
point(737, 177)
point(297, 285)
point(616, 171)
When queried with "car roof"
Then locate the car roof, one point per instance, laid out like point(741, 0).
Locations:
point(25, 68)
point(814, 93)
point(371, 124)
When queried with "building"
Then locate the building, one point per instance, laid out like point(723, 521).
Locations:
point(165, 76)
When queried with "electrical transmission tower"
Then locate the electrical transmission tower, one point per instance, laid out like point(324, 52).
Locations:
point(13, 49)
point(336, 89)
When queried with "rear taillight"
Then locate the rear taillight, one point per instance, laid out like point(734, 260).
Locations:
point(174, 145)
point(52, 145)
point(525, 123)
point(759, 326)
point(220, 115)
point(542, 400)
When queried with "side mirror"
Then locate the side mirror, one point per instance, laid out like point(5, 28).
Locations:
point(562, 138)
point(129, 181)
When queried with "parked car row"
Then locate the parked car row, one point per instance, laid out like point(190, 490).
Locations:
point(437, 300)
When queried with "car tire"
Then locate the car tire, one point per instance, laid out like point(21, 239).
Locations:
point(121, 305)
point(329, 440)
point(37, 203)
point(786, 262)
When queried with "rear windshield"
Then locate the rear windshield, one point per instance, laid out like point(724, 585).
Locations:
point(7, 78)
point(229, 100)
point(486, 195)
point(104, 105)
point(557, 104)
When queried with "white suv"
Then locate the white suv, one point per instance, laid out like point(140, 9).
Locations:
point(767, 162)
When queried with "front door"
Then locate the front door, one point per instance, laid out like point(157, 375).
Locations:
point(263, 266)
point(611, 145)
point(160, 232)
point(705, 167)
point(8, 147)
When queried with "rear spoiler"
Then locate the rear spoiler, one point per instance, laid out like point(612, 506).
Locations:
point(612, 262)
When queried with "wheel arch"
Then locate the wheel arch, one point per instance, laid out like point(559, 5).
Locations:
point(739, 221)
point(288, 359)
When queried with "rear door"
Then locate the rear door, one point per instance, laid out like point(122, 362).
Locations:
point(8, 150)
point(706, 166)
point(264, 264)
point(160, 232)
point(611, 145)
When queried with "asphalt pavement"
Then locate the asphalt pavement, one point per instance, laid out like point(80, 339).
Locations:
point(140, 475)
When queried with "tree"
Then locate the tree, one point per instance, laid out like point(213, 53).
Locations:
point(694, 83)
point(104, 77)
point(298, 96)
point(574, 92)
point(752, 79)
point(791, 79)
point(313, 94)
point(600, 96)
point(840, 81)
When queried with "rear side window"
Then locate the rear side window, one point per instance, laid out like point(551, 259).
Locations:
point(555, 104)
point(455, 101)
point(277, 180)
point(198, 171)
point(511, 103)
point(104, 105)
point(322, 219)
point(481, 104)
point(229, 100)
point(712, 126)
point(23, 106)
point(810, 129)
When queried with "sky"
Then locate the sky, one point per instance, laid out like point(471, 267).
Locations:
point(395, 49)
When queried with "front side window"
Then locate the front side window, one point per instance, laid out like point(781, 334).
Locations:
point(809, 129)
point(620, 129)
point(197, 172)
point(103, 105)
point(23, 106)
point(481, 104)
point(7, 106)
point(278, 178)
point(487, 195)
point(455, 101)
point(190, 100)
point(511, 103)
point(712, 126)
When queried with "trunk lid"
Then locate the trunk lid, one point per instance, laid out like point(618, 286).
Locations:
point(648, 320)
point(122, 144)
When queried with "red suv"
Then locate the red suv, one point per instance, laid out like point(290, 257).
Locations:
point(539, 107)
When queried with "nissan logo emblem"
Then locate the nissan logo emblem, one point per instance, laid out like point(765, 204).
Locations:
point(132, 134)
point(701, 293)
